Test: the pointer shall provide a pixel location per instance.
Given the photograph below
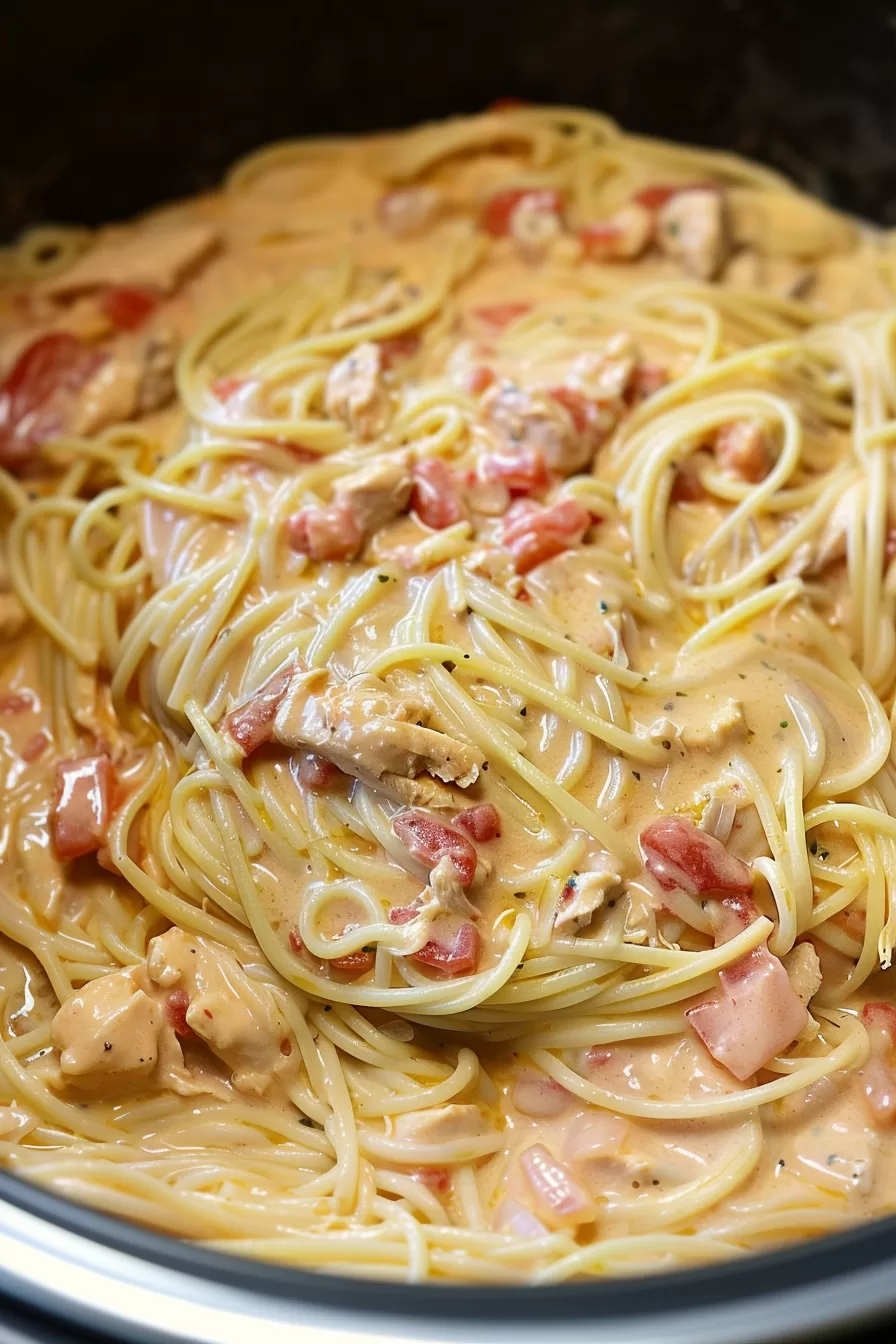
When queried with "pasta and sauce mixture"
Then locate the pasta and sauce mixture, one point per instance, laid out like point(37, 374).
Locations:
point(448, 813)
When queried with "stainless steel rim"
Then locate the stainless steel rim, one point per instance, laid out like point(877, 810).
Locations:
point(132, 1294)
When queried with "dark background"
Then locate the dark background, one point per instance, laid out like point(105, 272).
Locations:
point(109, 106)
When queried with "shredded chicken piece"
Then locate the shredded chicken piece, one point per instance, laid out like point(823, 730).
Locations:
point(586, 892)
point(692, 229)
point(355, 391)
point(158, 257)
point(235, 1015)
point(445, 894)
point(377, 492)
point(803, 971)
point(743, 448)
point(533, 228)
point(410, 210)
point(369, 732)
point(441, 1124)
point(727, 724)
point(424, 791)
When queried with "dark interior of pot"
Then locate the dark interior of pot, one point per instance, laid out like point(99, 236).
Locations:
point(112, 107)
point(116, 107)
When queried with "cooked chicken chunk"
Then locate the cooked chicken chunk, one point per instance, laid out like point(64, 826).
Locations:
point(743, 449)
point(445, 894)
point(803, 971)
point(136, 379)
point(109, 1029)
point(376, 493)
point(727, 724)
point(235, 1015)
point(410, 210)
point(692, 229)
point(520, 418)
point(355, 391)
point(441, 1124)
point(586, 892)
point(369, 732)
point(157, 256)
point(424, 791)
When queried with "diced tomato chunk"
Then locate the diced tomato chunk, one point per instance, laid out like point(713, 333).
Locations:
point(437, 1179)
point(600, 239)
point(16, 702)
point(481, 822)
point(500, 315)
point(458, 957)
point(429, 841)
point(496, 215)
point(396, 349)
point(252, 723)
point(176, 1006)
point(882, 1017)
point(82, 806)
point(319, 774)
point(295, 942)
point(523, 470)
point(680, 855)
point(687, 487)
point(325, 532)
point(36, 745)
point(435, 498)
point(30, 410)
point(541, 533)
point(227, 386)
point(478, 379)
point(354, 963)
point(128, 306)
point(754, 1017)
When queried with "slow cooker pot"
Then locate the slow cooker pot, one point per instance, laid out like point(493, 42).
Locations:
point(110, 108)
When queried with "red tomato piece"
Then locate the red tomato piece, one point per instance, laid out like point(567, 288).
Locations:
point(29, 409)
point(36, 745)
point(754, 1017)
point(496, 215)
point(600, 239)
point(437, 1179)
point(459, 957)
point(881, 1016)
point(252, 723)
point(128, 306)
point(481, 822)
point(295, 942)
point(176, 1006)
point(354, 963)
point(82, 806)
point(680, 855)
point(15, 702)
point(435, 498)
point(318, 774)
point(541, 533)
point(575, 402)
point(480, 377)
point(523, 470)
point(325, 532)
point(429, 841)
point(500, 315)
point(646, 379)
point(403, 914)
point(227, 386)
point(396, 349)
